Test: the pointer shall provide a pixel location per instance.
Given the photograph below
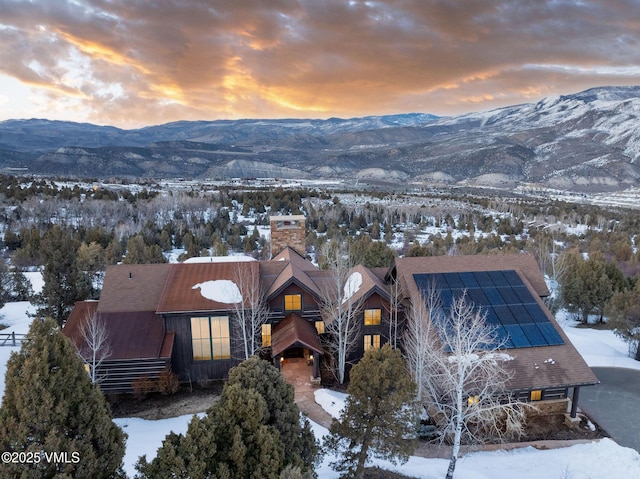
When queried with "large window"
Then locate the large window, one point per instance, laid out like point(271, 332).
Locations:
point(210, 338)
point(371, 341)
point(292, 302)
point(266, 335)
point(372, 317)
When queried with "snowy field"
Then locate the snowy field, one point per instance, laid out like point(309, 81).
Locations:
point(602, 459)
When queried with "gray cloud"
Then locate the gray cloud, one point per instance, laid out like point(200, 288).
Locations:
point(135, 63)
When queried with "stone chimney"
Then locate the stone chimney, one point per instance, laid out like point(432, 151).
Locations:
point(286, 231)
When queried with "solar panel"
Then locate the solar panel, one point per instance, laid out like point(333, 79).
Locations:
point(454, 280)
point(494, 297)
point(517, 336)
point(509, 305)
point(477, 296)
point(498, 279)
point(469, 280)
point(550, 333)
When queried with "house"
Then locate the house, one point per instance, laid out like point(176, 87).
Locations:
point(509, 290)
point(183, 316)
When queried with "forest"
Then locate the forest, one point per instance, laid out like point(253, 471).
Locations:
point(72, 230)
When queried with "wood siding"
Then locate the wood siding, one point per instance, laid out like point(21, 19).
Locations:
point(372, 302)
point(310, 306)
point(182, 361)
point(118, 376)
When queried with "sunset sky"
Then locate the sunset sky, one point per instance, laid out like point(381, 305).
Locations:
point(132, 63)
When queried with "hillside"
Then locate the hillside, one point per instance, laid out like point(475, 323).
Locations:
point(588, 141)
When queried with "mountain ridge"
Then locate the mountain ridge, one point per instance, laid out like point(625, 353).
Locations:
point(587, 141)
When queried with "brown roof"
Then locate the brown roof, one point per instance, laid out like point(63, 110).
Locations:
point(535, 367)
point(294, 331)
point(548, 366)
point(524, 264)
point(80, 311)
point(133, 287)
point(370, 283)
point(295, 268)
point(130, 335)
point(187, 282)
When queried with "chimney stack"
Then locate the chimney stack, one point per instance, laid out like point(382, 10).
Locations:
point(287, 230)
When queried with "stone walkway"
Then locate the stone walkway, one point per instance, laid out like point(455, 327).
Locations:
point(298, 373)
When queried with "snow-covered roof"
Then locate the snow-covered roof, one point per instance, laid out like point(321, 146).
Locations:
point(218, 259)
point(220, 291)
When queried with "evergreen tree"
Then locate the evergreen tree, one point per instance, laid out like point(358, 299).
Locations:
point(5, 284)
point(378, 416)
point(378, 255)
point(113, 252)
point(253, 431)
point(137, 251)
point(300, 448)
point(624, 317)
point(247, 446)
point(19, 287)
point(586, 287)
point(50, 405)
point(63, 281)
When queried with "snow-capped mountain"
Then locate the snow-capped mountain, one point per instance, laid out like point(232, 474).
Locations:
point(588, 141)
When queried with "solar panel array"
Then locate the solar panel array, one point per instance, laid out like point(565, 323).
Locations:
point(509, 305)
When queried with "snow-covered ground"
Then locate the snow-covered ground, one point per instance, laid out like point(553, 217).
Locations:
point(602, 459)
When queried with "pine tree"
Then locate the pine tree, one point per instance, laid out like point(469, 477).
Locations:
point(188, 456)
point(300, 448)
point(63, 284)
point(378, 416)
point(246, 445)
point(50, 406)
point(254, 430)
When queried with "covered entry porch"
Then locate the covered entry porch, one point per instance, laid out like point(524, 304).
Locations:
point(296, 338)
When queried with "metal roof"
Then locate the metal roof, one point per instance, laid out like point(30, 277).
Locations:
point(294, 331)
point(133, 287)
point(130, 335)
point(183, 291)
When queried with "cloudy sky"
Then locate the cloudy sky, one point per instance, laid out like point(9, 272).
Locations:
point(132, 63)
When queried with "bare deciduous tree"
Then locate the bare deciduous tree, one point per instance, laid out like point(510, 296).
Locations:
point(465, 379)
point(96, 348)
point(252, 311)
point(418, 337)
point(339, 309)
point(394, 306)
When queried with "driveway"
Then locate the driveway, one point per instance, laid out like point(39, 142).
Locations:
point(614, 404)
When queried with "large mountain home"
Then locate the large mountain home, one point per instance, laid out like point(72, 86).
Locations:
point(191, 317)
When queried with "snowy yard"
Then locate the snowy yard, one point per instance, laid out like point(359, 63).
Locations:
point(603, 459)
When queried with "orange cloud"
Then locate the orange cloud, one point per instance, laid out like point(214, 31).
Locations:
point(187, 59)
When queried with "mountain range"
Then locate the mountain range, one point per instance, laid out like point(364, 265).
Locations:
point(588, 141)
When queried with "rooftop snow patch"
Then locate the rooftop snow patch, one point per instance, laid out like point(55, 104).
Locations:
point(219, 259)
point(352, 285)
point(220, 291)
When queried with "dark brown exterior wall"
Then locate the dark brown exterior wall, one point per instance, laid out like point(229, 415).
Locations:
point(309, 303)
point(182, 362)
point(373, 302)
